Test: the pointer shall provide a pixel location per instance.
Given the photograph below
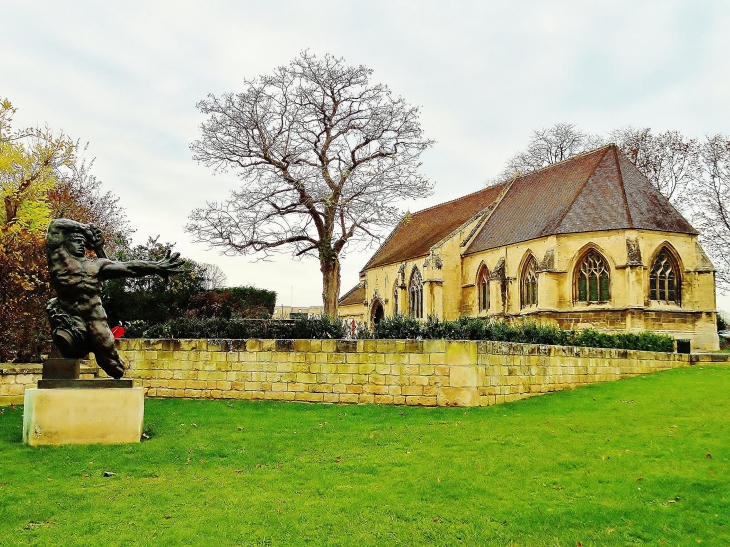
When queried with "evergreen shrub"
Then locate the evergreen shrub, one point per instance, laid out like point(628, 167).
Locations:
point(399, 327)
point(238, 328)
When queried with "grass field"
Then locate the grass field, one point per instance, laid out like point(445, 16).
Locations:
point(644, 461)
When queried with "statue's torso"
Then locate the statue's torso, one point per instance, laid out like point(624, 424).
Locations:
point(77, 284)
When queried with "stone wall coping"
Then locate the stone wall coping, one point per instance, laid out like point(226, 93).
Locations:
point(37, 368)
point(21, 368)
point(394, 345)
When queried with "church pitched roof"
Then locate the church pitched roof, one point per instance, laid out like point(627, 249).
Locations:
point(596, 191)
point(356, 295)
point(418, 232)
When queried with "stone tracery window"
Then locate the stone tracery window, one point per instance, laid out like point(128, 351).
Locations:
point(483, 288)
point(528, 283)
point(593, 278)
point(415, 295)
point(664, 279)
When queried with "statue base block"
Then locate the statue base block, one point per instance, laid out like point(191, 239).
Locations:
point(83, 416)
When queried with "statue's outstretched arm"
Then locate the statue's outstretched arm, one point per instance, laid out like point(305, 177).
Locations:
point(171, 264)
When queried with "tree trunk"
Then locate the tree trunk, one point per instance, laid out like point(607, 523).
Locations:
point(330, 268)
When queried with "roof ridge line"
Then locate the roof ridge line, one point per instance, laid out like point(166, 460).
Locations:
point(395, 228)
point(390, 235)
point(352, 290)
point(571, 158)
point(460, 198)
point(487, 215)
point(623, 188)
point(583, 187)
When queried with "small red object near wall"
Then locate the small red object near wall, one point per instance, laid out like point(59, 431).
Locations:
point(118, 331)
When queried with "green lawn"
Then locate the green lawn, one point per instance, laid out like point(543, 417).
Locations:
point(637, 462)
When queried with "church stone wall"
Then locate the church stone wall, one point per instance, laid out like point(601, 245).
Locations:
point(629, 308)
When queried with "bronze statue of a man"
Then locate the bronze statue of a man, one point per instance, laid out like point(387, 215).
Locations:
point(78, 320)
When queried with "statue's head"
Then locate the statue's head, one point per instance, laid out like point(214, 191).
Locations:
point(76, 244)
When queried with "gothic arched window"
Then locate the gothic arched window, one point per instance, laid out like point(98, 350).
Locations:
point(528, 283)
point(483, 288)
point(415, 295)
point(395, 300)
point(593, 278)
point(664, 280)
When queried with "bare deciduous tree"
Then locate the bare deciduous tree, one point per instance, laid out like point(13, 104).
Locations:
point(669, 160)
point(323, 154)
point(213, 276)
point(547, 146)
point(712, 205)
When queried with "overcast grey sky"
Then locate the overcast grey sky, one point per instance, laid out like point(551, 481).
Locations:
point(126, 76)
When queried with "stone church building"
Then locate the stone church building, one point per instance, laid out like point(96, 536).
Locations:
point(587, 242)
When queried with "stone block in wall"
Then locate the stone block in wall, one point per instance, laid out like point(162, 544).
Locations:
point(441, 370)
point(385, 346)
point(464, 376)
point(301, 345)
point(421, 401)
point(434, 346)
point(437, 358)
point(412, 390)
point(346, 346)
point(412, 346)
point(254, 345)
point(369, 346)
point(417, 380)
point(375, 358)
point(461, 353)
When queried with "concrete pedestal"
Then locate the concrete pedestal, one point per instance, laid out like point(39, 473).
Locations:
point(83, 416)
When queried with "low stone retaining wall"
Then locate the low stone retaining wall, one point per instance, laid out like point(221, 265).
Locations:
point(400, 372)
point(14, 378)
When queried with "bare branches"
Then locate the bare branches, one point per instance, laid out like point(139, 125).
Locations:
point(322, 155)
point(548, 145)
point(669, 160)
point(712, 205)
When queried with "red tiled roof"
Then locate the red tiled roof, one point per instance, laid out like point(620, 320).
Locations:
point(596, 191)
point(415, 235)
point(356, 295)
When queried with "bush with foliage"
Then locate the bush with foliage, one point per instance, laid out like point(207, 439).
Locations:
point(473, 328)
point(239, 328)
point(43, 175)
point(399, 327)
point(246, 302)
point(151, 298)
point(155, 300)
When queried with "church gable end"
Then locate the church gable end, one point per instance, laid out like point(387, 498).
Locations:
point(601, 204)
point(649, 209)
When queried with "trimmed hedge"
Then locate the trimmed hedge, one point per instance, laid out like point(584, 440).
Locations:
point(238, 328)
point(399, 327)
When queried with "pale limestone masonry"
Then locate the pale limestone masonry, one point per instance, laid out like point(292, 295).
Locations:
point(15, 378)
point(399, 372)
point(83, 416)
